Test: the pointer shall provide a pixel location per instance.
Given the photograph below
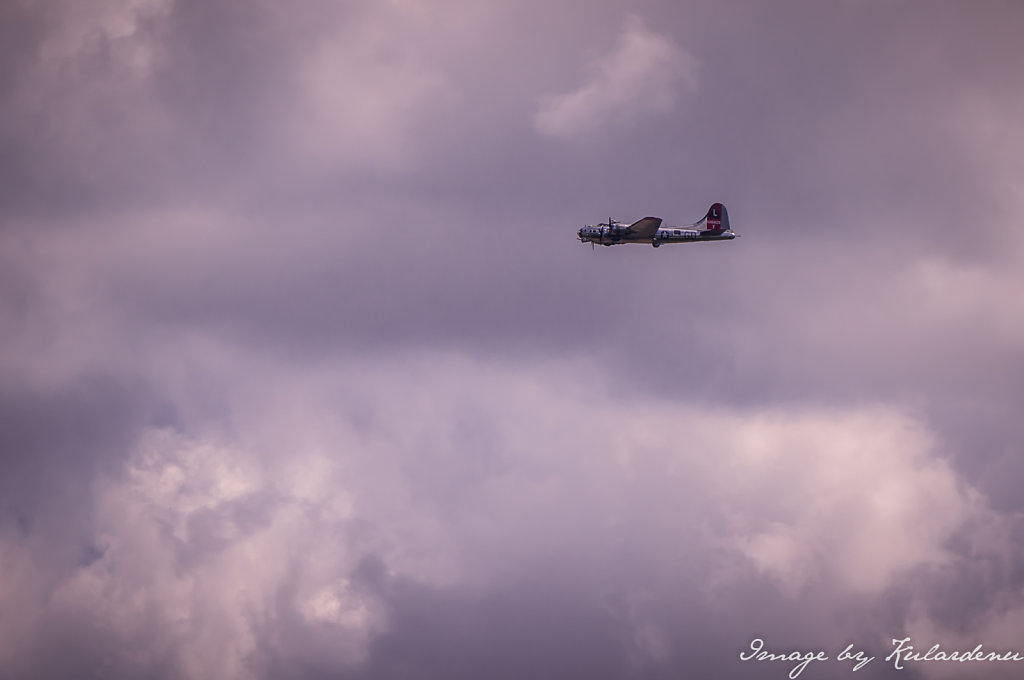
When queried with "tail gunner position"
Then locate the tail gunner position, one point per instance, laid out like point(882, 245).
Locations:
point(714, 227)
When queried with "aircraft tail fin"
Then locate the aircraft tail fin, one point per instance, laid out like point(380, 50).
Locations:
point(717, 218)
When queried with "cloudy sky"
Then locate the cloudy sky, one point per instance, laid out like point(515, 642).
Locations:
point(304, 375)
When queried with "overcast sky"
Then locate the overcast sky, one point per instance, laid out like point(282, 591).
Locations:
point(303, 373)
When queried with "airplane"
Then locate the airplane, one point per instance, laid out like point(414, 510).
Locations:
point(713, 227)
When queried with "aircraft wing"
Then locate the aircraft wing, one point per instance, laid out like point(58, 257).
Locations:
point(645, 228)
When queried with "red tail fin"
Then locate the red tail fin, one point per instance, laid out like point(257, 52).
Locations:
point(717, 218)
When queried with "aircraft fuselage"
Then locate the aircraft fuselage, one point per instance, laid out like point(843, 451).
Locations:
point(603, 235)
point(713, 227)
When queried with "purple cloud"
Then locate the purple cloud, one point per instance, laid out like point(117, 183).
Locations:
point(304, 375)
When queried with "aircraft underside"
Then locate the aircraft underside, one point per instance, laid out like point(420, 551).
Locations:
point(612, 240)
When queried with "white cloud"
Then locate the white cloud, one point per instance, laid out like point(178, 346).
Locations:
point(854, 499)
point(373, 86)
point(466, 474)
point(113, 26)
point(360, 102)
point(641, 75)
